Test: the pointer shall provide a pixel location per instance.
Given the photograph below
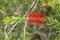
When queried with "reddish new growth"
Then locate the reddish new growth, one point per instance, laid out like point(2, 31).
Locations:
point(36, 18)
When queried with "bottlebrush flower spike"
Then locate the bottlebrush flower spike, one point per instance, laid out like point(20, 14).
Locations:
point(36, 18)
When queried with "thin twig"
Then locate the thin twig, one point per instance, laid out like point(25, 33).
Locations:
point(2, 12)
point(35, 5)
point(6, 35)
point(34, 2)
point(13, 27)
point(25, 28)
point(32, 6)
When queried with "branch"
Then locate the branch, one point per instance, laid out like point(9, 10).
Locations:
point(32, 7)
point(13, 27)
point(2, 12)
point(6, 35)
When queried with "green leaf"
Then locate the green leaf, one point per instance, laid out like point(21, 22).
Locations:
point(56, 21)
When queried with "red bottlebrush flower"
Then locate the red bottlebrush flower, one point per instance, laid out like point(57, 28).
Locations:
point(36, 18)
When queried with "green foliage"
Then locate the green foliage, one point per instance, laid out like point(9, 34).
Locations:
point(13, 11)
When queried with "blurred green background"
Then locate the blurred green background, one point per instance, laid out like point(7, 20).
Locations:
point(12, 14)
